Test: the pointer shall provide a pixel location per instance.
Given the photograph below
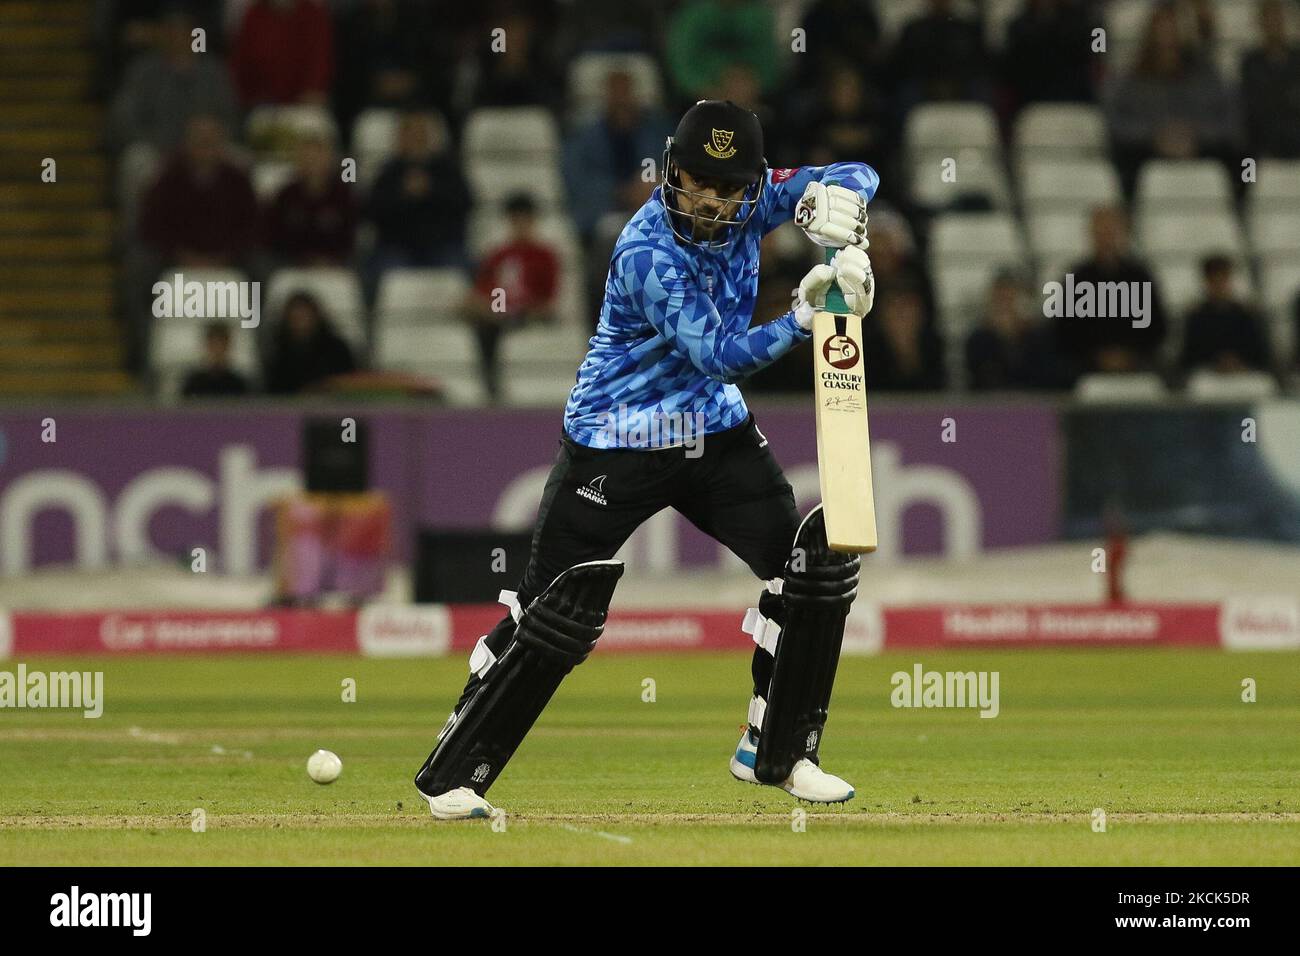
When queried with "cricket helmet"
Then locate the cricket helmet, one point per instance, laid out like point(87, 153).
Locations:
point(719, 141)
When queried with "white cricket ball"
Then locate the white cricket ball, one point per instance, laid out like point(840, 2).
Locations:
point(324, 766)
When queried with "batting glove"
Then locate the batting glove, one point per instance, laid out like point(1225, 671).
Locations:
point(832, 216)
point(811, 294)
point(853, 273)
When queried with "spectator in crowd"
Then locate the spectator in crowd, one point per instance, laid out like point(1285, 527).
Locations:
point(843, 121)
point(623, 27)
point(707, 36)
point(517, 68)
point(609, 154)
point(847, 31)
point(419, 203)
point(1270, 87)
point(516, 285)
point(940, 56)
point(283, 53)
point(739, 83)
point(1172, 105)
point(894, 259)
point(1048, 54)
point(902, 350)
point(215, 377)
point(1111, 344)
point(307, 350)
point(1223, 334)
point(312, 221)
point(126, 29)
point(166, 86)
point(1012, 347)
point(201, 212)
point(391, 55)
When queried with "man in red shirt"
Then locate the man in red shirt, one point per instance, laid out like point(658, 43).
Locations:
point(284, 53)
point(516, 285)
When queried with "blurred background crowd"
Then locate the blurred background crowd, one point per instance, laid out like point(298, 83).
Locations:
point(428, 191)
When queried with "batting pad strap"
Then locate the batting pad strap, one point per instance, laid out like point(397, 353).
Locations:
point(511, 600)
point(764, 630)
point(775, 585)
point(481, 658)
point(757, 709)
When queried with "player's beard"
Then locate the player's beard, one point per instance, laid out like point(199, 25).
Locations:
point(708, 226)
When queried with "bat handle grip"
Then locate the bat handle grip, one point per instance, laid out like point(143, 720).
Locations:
point(834, 297)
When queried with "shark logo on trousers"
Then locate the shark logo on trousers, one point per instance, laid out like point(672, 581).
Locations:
point(594, 490)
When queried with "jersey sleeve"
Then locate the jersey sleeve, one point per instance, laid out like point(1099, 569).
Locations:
point(671, 301)
point(785, 186)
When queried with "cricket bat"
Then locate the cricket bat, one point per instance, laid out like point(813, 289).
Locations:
point(843, 440)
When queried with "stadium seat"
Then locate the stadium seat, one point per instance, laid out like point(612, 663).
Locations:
point(445, 352)
point(269, 177)
point(419, 296)
point(998, 15)
point(510, 132)
point(1059, 235)
point(1275, 235)
point(1061, 183)
point(539, 364)
point(374, 132)
point(946, 128)
point(1138, 387)
point(967, 237)
point(1060, 131)
point(978, 173)
point(587, 75)
point(1277, 184)
point(493, 181)
point(536, 344)
point(539, 388)
point(374, 141)
point(1280, 282)
point(1170, 184)
point(1207, 386)
point(966, 251)
point(338, 291)
point(272, 130)
point(1180, 285)
point(426, 347)
point(1191, 235)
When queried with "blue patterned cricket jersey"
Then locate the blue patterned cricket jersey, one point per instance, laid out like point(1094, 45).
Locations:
point(674, 336)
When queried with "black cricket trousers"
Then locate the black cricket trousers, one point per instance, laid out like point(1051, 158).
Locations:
point(594, 499)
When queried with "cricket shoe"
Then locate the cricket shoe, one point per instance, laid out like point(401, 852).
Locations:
point(459, 804)
point(807, 781)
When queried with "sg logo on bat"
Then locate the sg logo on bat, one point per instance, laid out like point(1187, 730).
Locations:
point(841, 352)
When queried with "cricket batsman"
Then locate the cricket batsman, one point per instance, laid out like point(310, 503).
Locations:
point(656, 420)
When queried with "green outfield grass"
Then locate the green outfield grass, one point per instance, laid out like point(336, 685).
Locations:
point(1160, 740)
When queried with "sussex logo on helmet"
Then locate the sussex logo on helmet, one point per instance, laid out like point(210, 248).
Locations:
point(720, 147)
